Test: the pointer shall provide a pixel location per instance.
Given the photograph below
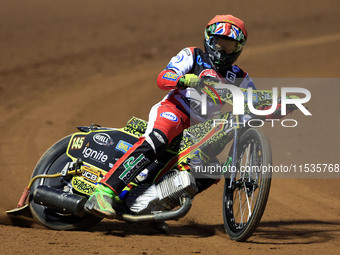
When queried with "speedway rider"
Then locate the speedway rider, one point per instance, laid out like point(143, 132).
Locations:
point(225, 36)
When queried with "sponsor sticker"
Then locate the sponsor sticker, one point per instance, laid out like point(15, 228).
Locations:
point(98, 156)
point(142, 175)
point(170, 76)
point(231, 77)
point(90, 174)
point(123, 146)
point(169, 116)
point(103, 139)
point(131, 166)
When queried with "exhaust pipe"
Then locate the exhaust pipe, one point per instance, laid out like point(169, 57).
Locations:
point(162, 216)
point(60, 201)
point(74, 204)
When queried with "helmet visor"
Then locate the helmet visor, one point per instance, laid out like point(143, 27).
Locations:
point(228, 46)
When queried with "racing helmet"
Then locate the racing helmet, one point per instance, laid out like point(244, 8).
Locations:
point(225, 36)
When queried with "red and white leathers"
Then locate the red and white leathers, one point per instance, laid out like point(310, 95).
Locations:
point(168, 118)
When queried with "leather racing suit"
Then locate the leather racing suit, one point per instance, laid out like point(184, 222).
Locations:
point(168, 118)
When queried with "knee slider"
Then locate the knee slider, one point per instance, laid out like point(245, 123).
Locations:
point(158, 141)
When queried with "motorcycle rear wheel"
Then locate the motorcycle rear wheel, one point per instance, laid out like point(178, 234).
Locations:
point(245, 199)
point(52, 162)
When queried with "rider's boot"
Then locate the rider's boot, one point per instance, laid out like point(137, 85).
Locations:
point(100, 203)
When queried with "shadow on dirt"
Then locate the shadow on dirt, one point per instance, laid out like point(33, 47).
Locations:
point(269, 232)
point(122, 229)
point(185, 227)
point(296, 232)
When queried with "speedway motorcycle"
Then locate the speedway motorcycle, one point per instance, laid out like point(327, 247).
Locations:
point(70, 170)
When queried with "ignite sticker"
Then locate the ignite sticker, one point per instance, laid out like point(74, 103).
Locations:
point(98, 156)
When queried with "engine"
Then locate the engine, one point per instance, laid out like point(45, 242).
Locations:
point(164, 195)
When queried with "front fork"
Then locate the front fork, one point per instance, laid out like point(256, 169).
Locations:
point(230, 164)
point(233, 159)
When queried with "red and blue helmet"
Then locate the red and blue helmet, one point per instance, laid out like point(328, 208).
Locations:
point(225, 36)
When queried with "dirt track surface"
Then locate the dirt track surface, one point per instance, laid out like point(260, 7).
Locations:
point(69, 63)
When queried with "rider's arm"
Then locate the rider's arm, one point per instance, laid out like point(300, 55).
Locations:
point(178, 66)
point(168, 79)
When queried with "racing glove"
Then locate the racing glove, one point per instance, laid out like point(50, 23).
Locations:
point(188, 80)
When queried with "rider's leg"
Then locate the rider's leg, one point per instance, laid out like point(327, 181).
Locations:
point(145, 151)
point(124, 171)
point(165, 123)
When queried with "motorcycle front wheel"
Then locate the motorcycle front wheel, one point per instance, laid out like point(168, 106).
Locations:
point(52, 162)
point(245, 196)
